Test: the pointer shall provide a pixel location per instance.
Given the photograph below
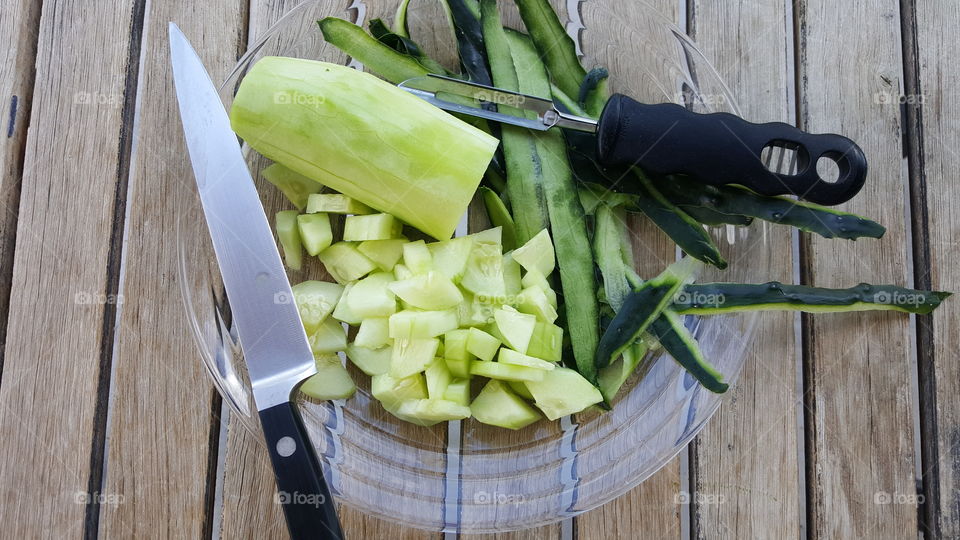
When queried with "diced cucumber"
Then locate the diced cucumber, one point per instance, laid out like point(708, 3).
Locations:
point(450, 256)
point(289, 236)
point(391, 390)
point(401, 271)
point(330, 337)
point(370, 361)
point(417, 257)
point(331, 381)
point(371, 296)
point(533, 278)
point(335, 203)
point(295, 186)
point(483, 275)
point(520, 389)
point(511, 277)
point(508, 356)
point(458, 391)
point(429, 291)
point(481, 344)
point(345, 263)
point(315, 301)
point(438, 378)
point(431, 411)
point(562, 392)
point(612, 377)
point(537, 254)
point(459, 367)
point(374, 333)
point(342, 312)
point(546, 342)
point(493, 235)
point(384, 253)
point(497, 405)
point(479, 312)
point(515, 327)
point(535, 302)
point(315, 232)
point(507, 372)
point(455, 345)
point(412, 356)
point(370, 227)
point(409, 324)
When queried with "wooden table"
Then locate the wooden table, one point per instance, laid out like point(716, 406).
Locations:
point(841, 426)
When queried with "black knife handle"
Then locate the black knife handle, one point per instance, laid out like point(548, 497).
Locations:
point(721, 148)
point(301, 489)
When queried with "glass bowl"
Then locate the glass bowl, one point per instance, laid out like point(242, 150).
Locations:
point(465, 476)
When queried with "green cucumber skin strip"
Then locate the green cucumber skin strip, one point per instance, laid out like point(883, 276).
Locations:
point(379, 58)
point(639, 309)
point(805, 216)
point(607, 246)
point(677, 341)
point(612, 377)
point(708, 216)
point(469, 34)
point(500, 217)
point(718, 298)
point(682, 229)
point(556, 47)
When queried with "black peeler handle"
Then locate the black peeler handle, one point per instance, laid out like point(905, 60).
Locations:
point(721, 148)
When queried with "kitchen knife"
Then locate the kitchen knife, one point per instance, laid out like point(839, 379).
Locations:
point(665, 138)
point(272, 337)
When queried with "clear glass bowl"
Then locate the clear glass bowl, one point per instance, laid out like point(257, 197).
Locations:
point(464, 476)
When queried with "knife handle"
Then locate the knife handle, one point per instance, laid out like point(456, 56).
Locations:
point(301, 489)
point(720, 148)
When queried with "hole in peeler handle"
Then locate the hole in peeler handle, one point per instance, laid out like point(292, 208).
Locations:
point(784, 157)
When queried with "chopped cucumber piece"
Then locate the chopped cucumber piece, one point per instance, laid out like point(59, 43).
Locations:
point(511, 277)
point(546, 342)
point(315, 301)
point(295, 186)
point(289, 235)
point(371, 227)
point(330, 337)
point(342, 312)
point(431, 411)
point(507, 372)
point(481, 344)
point(345, 263)
point(412, 356)
point(331, 381)
point(417, 257)
point(401, 272)
point(455, 344)
point(562, 392)
point(497, 405)
point(612, 377)
point(493, 236)
point(483, 275)
point(335, 203)
point(515, 327)
point(438, 378)
point(429, 291)
point(535, 302)
point(409, 324)
point(390, 391)
point(537, 254)
point(514, 358)
point(384, 253)
point(315, 232)
point(533, 278)
point(520, 389)
point(370, 297)
point(459, 367)
point(370, 361)
point(479, 312)
point(450, 256)
point(374, 333)
point(458, 391)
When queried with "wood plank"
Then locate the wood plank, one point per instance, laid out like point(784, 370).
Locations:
point(64, 283)
point(160, 391)
point(860, 447)
point(19, 23)
point(649, 510)
point(937, 101)
point(737, 494)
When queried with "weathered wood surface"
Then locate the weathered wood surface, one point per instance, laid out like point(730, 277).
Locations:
point(111, 428)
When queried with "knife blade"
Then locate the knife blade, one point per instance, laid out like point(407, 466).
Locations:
point(667, 139)
point(272, 337)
